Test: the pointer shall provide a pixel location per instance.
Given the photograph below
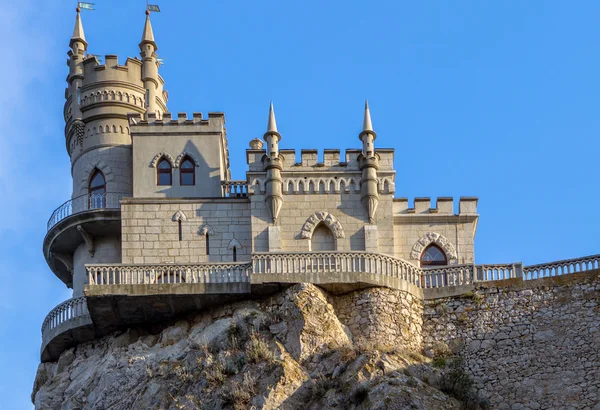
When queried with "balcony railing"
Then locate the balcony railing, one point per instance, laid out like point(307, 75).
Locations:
point(234, 189)
point(129, 274)
point(280, 263)
point(564, 267)
point(88, 202)
point(456, 275)
point(334, 262)
point(64, 312)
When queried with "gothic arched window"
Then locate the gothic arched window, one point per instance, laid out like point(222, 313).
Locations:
point(163, 173)
point(433, 256)
point(187, 174)
point(97, 190)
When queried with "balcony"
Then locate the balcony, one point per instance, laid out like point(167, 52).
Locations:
point(66, 325)
point(121, 295)
point(93, 215)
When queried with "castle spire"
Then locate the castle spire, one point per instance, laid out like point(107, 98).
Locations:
point(78, 34)
point(273, 166)
point(369, 164)
point(148, 34)
point(272, 125)
point(367, 125)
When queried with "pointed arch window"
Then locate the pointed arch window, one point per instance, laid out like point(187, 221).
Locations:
point(187, 172)
point(164, 173)
point(97, 190)
point(433, 255)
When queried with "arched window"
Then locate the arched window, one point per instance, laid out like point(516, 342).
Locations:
point(433, 256)
point(163, 173)
point(97, 190)
point(234, 254)
point(187, 174)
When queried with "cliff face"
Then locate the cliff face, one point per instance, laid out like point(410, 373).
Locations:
point(288, 351)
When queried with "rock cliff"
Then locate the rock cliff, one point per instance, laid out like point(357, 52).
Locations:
point(288, 351)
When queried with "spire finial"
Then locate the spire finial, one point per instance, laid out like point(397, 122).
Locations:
point(78, 34)
point(148, 34)
point(367, 125)
point(272, 126)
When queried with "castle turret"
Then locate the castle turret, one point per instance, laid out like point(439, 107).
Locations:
point(273, 165)
point(150, 76)
point(369, 164)
point(100, 97)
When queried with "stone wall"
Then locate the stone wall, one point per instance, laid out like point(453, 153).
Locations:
point(529, 345)
point(385, 317)
point(150, 230)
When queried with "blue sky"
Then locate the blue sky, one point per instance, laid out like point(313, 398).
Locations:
point(491, 99)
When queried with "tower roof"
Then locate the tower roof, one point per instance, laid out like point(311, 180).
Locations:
point(272, 125)
point(148, 34)
point(367, 125)
point(78, 34)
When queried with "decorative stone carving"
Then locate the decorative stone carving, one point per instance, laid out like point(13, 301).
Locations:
point(234, 244)
point(429, 238)
point(315, 219)
point(182, 156)
point(164, 155)
point(206, 229)
point(65, 258)
point(179, 216)
point(88, 238)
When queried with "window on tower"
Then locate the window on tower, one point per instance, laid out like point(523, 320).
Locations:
point(433, 256)
point(187, 174)
point(163, 173)
point(97, 190)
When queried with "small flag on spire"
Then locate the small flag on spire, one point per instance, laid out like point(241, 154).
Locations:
point(153, 7)
point(85, 6)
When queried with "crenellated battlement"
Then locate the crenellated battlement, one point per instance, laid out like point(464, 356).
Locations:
point(170, 122)
point(329, 161)
point(441, 206)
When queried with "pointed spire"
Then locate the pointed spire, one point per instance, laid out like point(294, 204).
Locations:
point(272, 126)
point(367, 125)
point(148, 35)
point(78, 34)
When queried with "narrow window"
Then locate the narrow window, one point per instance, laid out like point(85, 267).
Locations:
point(433, 256)
point(97, 190)
point(78, 95)
point(207, 244)
point(234, 254)
point(163, 173)
point(180, 232)
point(147, 104)
point(187, 174)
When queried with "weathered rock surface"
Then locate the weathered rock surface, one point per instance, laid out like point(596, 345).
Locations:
point(289, 351)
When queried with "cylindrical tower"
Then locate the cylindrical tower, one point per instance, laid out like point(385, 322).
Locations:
point(99, 99)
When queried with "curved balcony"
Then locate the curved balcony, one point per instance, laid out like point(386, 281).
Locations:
point(66, 325)
point(74, 222)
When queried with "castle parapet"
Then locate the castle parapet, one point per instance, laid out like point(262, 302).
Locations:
point(442, 206)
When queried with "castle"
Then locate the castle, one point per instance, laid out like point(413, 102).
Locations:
point(156, 227)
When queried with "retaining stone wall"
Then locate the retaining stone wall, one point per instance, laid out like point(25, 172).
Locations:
point(529, 345)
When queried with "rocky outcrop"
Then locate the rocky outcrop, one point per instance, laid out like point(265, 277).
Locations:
point(292, 350)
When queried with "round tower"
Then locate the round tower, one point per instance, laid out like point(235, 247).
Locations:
point(99, 99)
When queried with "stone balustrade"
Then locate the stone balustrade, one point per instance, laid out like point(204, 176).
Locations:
point(458, 275)
point(567, 266)
point(234, 189)
point(64, 312)
point(88, 202)
point(130, 274)
point(334, 262)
